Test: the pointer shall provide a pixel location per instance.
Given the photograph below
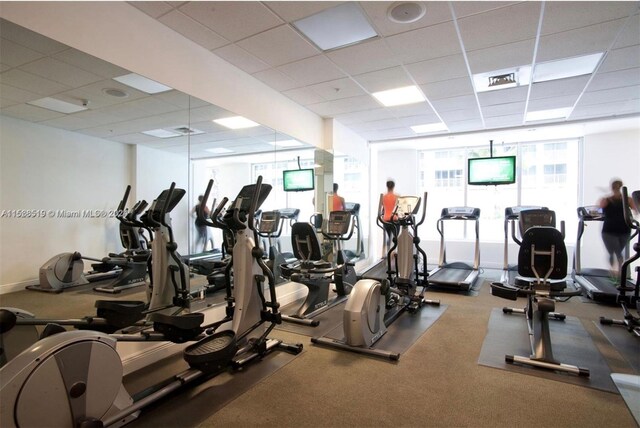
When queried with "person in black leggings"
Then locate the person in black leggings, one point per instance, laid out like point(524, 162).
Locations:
point(615, 232)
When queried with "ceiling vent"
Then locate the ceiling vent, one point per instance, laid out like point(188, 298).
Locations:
point(502, 79)
point(113, 92)
point(185, 130)
point(406, 12)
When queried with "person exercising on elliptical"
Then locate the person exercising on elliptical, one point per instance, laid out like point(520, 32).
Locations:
point(615, 232)
point(338, 201)
point(389, 201)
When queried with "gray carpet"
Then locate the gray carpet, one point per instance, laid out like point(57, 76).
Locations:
point(508, 334)
point(329, 319)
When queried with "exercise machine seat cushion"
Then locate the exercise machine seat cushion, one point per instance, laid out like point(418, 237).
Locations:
point(304, 242)
point(543, 237)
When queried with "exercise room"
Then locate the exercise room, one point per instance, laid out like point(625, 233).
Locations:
point(301, 213)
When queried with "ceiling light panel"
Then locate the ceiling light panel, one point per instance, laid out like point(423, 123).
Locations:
point(564, 68)
point(236, 122)
point(502, 79)
point(429, 127)
point(399, 96)
point(57, 105)
point(219, 150)
point(335, 27)
point(286, 143)
point(161, 133)
point(142, 83)
point(557, 113)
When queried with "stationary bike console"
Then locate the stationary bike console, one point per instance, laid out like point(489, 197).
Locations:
point(269, 223)
point(339, 223)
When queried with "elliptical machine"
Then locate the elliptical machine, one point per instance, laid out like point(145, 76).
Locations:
point(74, 378)
point(372, 305)
point(129, 269)
point(630, 321)
point(270, 228)
point(542, 258)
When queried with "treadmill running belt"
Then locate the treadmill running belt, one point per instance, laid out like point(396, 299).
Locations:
point(377, 272)
point(449, 276)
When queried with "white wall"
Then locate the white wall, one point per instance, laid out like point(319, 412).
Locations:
point(43, 168)
point(154, 172)
point(125, 36)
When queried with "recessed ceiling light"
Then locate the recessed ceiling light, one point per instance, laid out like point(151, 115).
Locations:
point(556, 113)
point(286, 143)
point(162, 133)
point(142, 83)
point(502, 79)
point(236, 122)
point(336, 27)
point(429, 127)
point(57, 105)
point(219, 150)
point(563, 68)
point(399, 96)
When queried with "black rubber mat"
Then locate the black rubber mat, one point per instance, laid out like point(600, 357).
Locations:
point(403, 332)
point(625, 343)
point(328, 319)
point(199, 401)
point(377, 272)
point(508, 334)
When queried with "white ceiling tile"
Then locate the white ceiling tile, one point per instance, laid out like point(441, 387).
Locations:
point(505, 25)
point(411, 110)
point(5, 102)
point(144, 107)
point(620, 59)
point(15, 55)
point(180, 99)
point(504, 121)
point(16, 94)
point(388, 134)
point(192, 30)
point(61, 72)
point(610, 95)
point(154, 9)
point(439, 69)
point(241, 58)
point(364, 57)
point(312, 70)
point(29, 39)
point(382, 80)
point(586, 40)
point(426, 43)
point(364, 116)
point(342, 106)
point(80, 120)
point(466, 8)
point(455, 103)
point(336, 89)
point(233, 20)
point(503, 109)
point(615, 79)
point(377, 125)
point(136, 138)
point(437, 12)
point(294, 10)
point(30, 113)
point(604, 110)
point(419, 119)
point(552, 103)
point(465, 125)
point(568, 15)
point(630, 34)
point(98, 99)
point(90, 63)
point(276, 79)
point(556, 88)
point(4, 67)
point(279, 46)
point(176, 3)
point(36, 84)
point(503, 56)
point(208, 113)
point(510, 95)
point(448, 88)
point(461, 115)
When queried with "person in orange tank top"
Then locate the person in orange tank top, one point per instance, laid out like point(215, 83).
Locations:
point(338, 201)
point(389, 201)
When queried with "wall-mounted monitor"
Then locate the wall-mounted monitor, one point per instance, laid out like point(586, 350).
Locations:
point(492, 171)
point(298, 180)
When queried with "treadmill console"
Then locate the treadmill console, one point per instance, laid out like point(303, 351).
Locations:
point(460, 213)
point(339, 223)
point(542, 217)
point(513, 213)
point(289, 213)
point(269, 222)
point(590, 213)
point(352, 207)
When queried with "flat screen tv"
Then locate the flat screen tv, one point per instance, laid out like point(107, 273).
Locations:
point(298, 180)
point(492, 171)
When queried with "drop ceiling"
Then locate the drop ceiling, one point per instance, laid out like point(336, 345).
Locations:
point(438, 53)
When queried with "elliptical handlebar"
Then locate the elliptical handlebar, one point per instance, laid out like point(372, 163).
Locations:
point(216, 214)
point(628, 216)
point(254, 203)
point(203, 205)
point(424, 209)
point(123, 202)
point(163, 211)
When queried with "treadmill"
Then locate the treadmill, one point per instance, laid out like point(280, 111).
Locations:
point(597, 284)
point(458, 275)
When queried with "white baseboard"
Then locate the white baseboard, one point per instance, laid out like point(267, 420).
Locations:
point(16, 286)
